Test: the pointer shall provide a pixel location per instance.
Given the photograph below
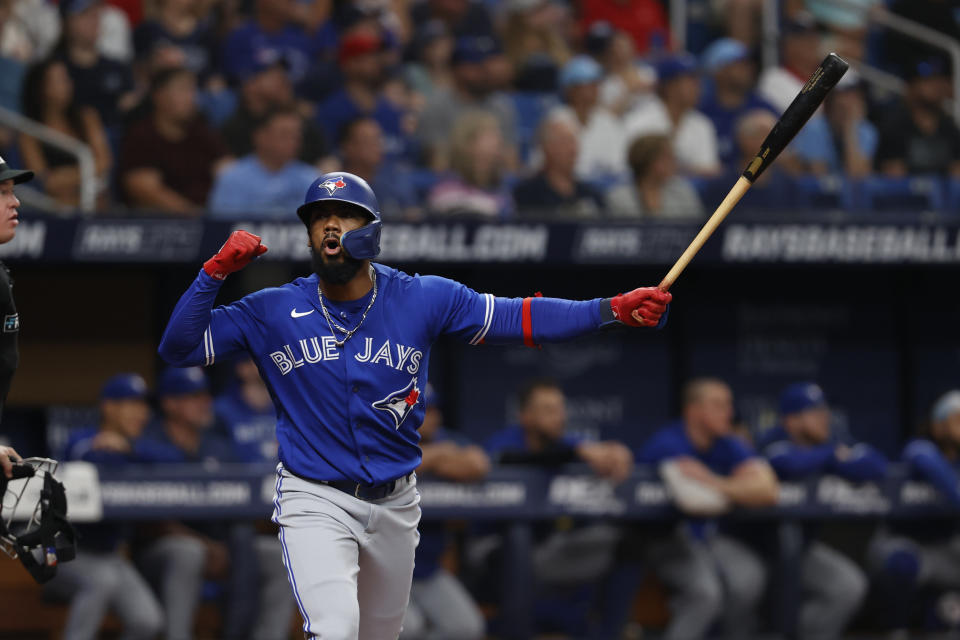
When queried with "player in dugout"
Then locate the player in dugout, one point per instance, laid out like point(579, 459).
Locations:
point(348, 410)
point(805, 444)
point(923, 553)
point(711, 576)
point(9, 355)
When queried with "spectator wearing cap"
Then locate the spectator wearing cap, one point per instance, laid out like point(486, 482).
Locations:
point(805, 444)
point(49, 98)
point(627, 83)
point(101, 578)
point(923, 552)
point(555, 191)
point(180, 555)
point(730, 92)
point(99, 82)
point(270, 182)
point(364, 73)
point(362, 154)
point(918, 137)
point(644, 20)
point(265, 86)
point(534, 40)
point(800, 54)
point(440, 606)
point(168, 158)
point(655, 191)
point(179, 34)
point(271, 31)
point(472, 90)
point(475, 186)
point(602, 137)
point(674, 113)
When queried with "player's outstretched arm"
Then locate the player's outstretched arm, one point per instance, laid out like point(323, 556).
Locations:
point(458, 310)
point(196, 333)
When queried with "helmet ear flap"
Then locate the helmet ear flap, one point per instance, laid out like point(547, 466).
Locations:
point(363, 243)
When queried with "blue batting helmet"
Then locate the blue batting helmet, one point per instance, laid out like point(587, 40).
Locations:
point(362, 243)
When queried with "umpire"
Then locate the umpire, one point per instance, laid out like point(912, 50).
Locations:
point(9, 356)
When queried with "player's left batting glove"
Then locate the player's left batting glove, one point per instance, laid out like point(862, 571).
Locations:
point(643, 307)
point(236, 253)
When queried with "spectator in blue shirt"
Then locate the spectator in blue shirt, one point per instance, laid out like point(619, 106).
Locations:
point(804, 444)
point(924, 553)
point(362, 64)
point(181, 555)
point(247, 412)
point(362, 154)
point(101, 578)
point(270, 182)
point(711, 576)
point(178, 32)
point(730, 92)
point(440, 606)
point(270, 33)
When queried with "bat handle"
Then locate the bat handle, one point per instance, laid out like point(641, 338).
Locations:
point(709, 227)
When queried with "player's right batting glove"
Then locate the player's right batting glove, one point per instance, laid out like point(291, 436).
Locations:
point(643, 307)
point(236, 253)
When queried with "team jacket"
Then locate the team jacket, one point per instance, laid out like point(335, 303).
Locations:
point(352, 412)
point(9, 355)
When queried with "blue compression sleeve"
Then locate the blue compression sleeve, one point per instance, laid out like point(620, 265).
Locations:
point(864, 463)
point(928, 463)
point(551, 319)
point(196, 333)
point(791, 461)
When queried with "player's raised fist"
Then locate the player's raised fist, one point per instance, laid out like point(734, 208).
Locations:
point(236, 253)
point(643, 307)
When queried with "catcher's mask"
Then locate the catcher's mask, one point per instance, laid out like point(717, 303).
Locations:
point(36, 532)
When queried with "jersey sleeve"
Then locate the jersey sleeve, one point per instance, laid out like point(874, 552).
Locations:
point(926, 462)
point(455, 309)
point(198, 334)
point(791, 462)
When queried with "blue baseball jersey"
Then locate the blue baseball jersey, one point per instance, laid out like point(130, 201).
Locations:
point(792, 460)
point(352, 412)
point(252, 430)
point(723, 456)
point(514, 439)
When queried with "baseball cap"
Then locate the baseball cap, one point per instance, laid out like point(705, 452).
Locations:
point(73, 7)
point(672, 67)
point(802, 23)
point(947, 405)
point(933, 67)
point(264, 59)
point(800, 397)
point(598, 37)
point(177, 381)
point(124, 386)
point(722, 52)
point(17, 175)
point(580, 70)
point(473, 49)
point(358, 44)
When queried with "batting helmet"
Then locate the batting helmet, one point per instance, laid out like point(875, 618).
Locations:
point(362, 243)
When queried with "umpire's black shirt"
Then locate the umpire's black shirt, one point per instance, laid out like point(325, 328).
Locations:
point(9, 330)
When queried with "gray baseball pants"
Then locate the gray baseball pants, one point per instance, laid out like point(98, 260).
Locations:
point(349, 561)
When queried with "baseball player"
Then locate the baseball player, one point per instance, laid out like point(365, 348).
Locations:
point(9, 356)
point(344, 353)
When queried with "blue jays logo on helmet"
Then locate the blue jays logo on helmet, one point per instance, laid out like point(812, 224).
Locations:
point(401, 402)
point(362, 243)
point(333, 185)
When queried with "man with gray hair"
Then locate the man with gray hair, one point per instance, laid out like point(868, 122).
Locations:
point(555, 191)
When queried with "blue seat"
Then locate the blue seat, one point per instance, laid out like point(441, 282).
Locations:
point(899, 195)
point(823, 192)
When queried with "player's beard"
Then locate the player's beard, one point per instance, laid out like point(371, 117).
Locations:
point(335, 271)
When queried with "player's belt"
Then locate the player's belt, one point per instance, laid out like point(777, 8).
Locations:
point(361, 490)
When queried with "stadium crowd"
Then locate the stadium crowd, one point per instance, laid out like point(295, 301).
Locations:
point(499, 110)
point(716, 575)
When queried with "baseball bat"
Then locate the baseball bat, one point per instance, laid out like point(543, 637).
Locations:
point(814, 91)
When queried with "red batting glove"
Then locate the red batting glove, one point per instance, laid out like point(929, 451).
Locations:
point(641, 307)
point(236, 253)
